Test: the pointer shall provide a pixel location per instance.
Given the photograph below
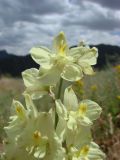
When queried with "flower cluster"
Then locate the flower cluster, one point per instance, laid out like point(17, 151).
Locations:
point(59, 128)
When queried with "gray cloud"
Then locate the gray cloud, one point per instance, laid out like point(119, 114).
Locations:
point(113, 4)
point(94, 20)
point(25, 23)
point(28, 10)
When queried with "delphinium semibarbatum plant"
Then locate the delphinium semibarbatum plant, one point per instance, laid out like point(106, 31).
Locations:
point(59, 128)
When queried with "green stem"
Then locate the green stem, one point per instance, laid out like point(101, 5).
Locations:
point(60, 88)
point(58, 97)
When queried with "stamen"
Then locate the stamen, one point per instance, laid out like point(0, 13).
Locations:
point(19, 111)
point(37, 135)
point(83, 152)
point(62, 48)
point(82, 108)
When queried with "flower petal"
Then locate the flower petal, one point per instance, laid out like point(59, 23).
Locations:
point(61, 129)
point(33, 85)
point(80, 137)
point(85, 121)
point(61, 110)
point(95, 152)
point(88, 55)
point(41, 56)
point(60, 44)
point(72, 124)
point(87, 69)
point(93, 110)
point(40, 151)
point(70, 99)
point(51, 77)
point(29, 76)
point(30, 105)
point(72, 72)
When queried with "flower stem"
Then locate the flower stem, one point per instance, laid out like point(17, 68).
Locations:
point(58, 97)
point(60, 88)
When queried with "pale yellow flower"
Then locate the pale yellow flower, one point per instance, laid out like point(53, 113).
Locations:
point(69, 62)
point(78, 113)
point(87, 152)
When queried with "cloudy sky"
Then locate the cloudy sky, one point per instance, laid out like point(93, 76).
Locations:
point(25, 23)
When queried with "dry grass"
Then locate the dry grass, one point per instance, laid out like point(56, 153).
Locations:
point(9, 89)
point(10, 84)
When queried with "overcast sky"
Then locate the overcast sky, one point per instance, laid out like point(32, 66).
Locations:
point(25, 23)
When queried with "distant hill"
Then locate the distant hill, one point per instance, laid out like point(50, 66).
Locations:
point(3, 54)
point(14, 65)
point(108, 54)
